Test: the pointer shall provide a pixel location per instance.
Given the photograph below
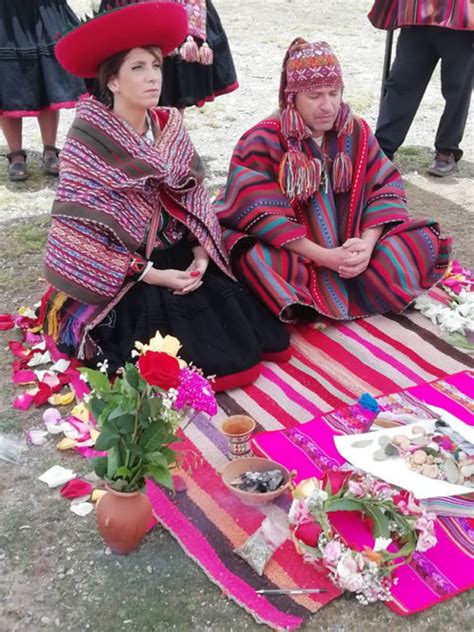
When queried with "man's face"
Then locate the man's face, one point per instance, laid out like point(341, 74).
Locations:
point(319, 108)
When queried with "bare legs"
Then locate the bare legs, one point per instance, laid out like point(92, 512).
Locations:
point(12, 130)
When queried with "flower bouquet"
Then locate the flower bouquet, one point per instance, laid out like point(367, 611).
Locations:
point(138, 416)
point(397, 521)
point(139, 413)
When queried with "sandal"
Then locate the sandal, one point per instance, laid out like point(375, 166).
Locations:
point(17, 170)
point(51, 162)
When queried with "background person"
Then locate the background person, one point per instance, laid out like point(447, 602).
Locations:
point(32, 83)
point(431, 30)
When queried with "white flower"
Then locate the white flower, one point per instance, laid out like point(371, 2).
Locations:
point(381, 544)
point(317, 498)
point(103, 366)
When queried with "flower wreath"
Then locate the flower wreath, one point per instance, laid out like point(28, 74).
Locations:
point(398, 523)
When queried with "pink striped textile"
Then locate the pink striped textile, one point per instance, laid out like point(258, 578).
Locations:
point(331, 366)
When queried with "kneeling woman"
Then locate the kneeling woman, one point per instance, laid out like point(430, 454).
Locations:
point(134, 245)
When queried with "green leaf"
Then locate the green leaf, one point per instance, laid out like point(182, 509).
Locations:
point(381, 525)
point(107, 439)
point(112, 463)
point(131, 375)
point(312, 550)
point(96, 406)
point(100, 466)
point(98, 381)
point(344, 504)
point(153, 438)
point(160, 475)
point(169, 454)
point(156, 458)
point(125, 423)
point(123, 472)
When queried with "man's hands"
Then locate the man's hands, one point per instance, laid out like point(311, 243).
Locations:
point(181, 282)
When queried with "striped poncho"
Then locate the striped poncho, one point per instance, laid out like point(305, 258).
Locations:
point(450, 14)
point(259, 220)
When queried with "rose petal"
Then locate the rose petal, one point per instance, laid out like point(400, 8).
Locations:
point(97, 495)
point(62, 400)
point(23, 401)
point(89, 453)
point(24, 376)
point(37, 437)
point(60, 366)
point(66, 444)
point(82, 509)
point(56, 476)
point(18, 350)
point(52, 416)
point(39, 358)
point(76, 488)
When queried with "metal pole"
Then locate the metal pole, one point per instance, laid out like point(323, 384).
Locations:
point(387, 62)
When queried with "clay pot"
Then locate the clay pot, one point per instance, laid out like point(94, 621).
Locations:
point(123, 519)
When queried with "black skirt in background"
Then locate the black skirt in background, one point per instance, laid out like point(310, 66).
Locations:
point(223, 328)
point(31, 78)
point(186, 84)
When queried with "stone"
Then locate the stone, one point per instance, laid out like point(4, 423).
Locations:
point(398, 439)
point(380, 455)
point(419, 457)
point(430, 470)
point(467, 470)
point(362, 443)
point(391, 450)
point(383, 440)
point(418, 430)
point(450, 471)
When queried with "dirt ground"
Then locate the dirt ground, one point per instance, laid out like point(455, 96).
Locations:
point(55, 572)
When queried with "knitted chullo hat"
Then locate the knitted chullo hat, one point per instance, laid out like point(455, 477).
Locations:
point(308, 66)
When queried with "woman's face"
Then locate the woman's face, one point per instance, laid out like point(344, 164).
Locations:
point(137, 84)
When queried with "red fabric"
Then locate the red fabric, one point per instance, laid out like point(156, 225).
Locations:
point(236, 380)
point(277, 356)
point(162, 24)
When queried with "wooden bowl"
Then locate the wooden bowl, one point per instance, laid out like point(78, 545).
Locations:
point(255, 464)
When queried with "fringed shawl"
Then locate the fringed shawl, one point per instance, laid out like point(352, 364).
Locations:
point(451, 14)
point(113, 182)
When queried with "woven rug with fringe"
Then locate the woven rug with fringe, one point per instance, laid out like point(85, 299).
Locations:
point(329, 369)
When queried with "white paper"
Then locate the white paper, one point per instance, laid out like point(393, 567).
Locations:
point(395, 470)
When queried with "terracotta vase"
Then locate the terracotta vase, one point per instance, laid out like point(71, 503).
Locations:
point(123, 519)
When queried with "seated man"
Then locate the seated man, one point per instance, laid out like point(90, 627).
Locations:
point(314, 213)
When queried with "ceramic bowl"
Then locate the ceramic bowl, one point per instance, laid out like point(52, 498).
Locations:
point(255, 464)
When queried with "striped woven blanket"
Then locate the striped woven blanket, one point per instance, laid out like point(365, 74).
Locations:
point(330, 368)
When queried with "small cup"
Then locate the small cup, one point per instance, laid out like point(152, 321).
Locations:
point(238, 430)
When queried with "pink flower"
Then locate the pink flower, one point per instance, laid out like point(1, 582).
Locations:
point(356, 488)
point(194, 391)
point(299, 513)
point(410, 507)
point(332, 552)
point(425, 541)
point(349, 575)
point(425, 524)
point(382, 489)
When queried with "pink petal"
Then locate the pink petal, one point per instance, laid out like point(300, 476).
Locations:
point(52, 416)
point(23, 401)
point(24, 376)
point(31, 338)
point(37, 437)
point(18, 349)
point(89, 453)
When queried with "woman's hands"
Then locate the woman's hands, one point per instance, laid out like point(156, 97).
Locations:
point(181, 282)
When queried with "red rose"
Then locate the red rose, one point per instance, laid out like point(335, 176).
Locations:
point(336, 479)
point(159, 369)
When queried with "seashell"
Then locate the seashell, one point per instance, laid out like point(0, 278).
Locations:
point(467, 470)
point(362, 443)
point(450, 471)
point(380, 455)
point(391, 450)
point(430, 470)
point(398, 439)
point(405, 444)
point(418, 430)
point(419, 457)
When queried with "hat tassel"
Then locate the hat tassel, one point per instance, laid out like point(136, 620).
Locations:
point(292, 124)
point(189, 50)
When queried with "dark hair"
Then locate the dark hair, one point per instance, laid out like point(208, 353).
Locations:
point(110, 67)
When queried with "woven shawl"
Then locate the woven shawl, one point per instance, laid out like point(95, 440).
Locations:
point(113, 182)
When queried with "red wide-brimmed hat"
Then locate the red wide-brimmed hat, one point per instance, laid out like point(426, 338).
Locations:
point(162, 24)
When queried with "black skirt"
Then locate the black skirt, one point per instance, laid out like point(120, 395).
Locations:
point(31, 78)
point(223, 328)
point(186, 84)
